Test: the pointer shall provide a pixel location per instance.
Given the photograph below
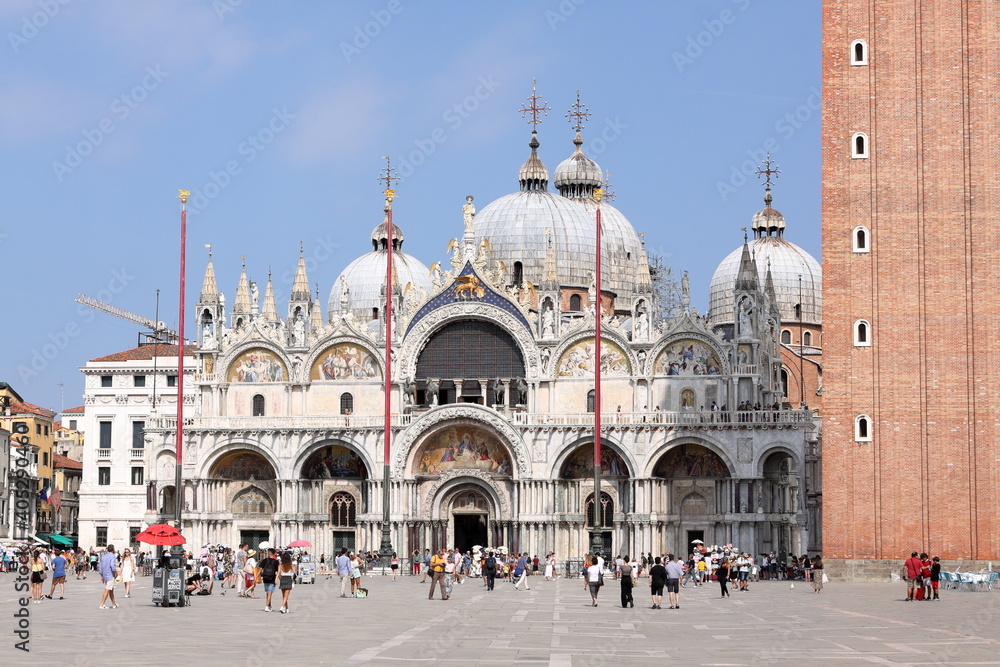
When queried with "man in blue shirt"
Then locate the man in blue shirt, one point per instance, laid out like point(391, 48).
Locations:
point(344, 570)
point(108, 570)
point(58, 575)
point(521, 572)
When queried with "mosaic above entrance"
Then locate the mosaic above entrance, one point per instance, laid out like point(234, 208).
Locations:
point(242, 465)
point(578, 359)
point(344, 362)
point(257, 365)
point(687, 357)
point(462, 448)
point(334, 461)
point(691, 461)
point(580, 464)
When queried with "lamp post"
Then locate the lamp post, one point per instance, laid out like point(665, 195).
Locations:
point(178, 492)
point(385, 548)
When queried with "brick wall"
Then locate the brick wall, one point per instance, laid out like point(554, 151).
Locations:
point(928, 193)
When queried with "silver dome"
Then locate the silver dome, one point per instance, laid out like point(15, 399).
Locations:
point(577, 175)
point(365, 276)
point(788, 262)
point(517, 225)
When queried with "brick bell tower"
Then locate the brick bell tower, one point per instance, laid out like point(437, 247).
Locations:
point(911, 288)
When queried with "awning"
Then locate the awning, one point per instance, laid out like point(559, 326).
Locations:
point(59, 540)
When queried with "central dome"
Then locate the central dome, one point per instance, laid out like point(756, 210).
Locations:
point(519, 225)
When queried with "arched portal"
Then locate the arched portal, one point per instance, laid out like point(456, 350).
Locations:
point(470, 517)
point(242, 464)
point(463, 447)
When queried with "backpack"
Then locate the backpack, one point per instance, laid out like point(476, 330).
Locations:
point(491, 564)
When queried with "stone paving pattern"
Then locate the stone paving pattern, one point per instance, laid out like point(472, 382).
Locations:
point(553, 624)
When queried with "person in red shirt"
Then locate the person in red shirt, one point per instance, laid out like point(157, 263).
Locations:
point(911, 568)
point(925, 575)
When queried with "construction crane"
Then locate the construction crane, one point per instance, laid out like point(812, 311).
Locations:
point(158, 333)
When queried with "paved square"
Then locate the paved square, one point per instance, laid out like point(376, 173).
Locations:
point(552, 624)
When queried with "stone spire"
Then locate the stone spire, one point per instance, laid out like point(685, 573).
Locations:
point(300, 285)
point(269, 311)
point(746, 279)
point(209, 290)
point(550, 282)
point(241, 305)
point(316, 322)
point(772, 296)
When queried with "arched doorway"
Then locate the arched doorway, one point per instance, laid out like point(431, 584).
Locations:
point(695, 481)
point(470, 515)
point(249, 477)
point(780, 503)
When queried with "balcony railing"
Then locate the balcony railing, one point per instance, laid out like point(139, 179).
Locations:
point(653, 419)
point(104, 454)
point(138, 454)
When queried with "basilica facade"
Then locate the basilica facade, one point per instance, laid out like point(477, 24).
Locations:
point(492, 396)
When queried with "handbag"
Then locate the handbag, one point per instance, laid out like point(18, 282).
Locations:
point(600, 578)
point(248, 569)
point(826, 579)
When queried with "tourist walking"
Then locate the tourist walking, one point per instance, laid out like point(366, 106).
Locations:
point(394, 565)
point(490, 570)
point(911, 569)
point(817, 574)
point(657, 579)
point(450, 569)
point(58, 575)
point(286, 578)
point(674, 573)
point(109, 570)
point(268, 575)
point(593, 578)
point(252, 576)
point(37, 576)
point(436, 568)
point(627, 583)
point(343, 571)
point(128, 571)
point(722, 574)
point(521, 573)
point(241, 564)
point(550, 566)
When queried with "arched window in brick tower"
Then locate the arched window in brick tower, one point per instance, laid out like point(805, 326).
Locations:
point(574, 302)
point(862, 334)
point(862, 428)
point(860, 239)
point(859, 52)
point(859, 145)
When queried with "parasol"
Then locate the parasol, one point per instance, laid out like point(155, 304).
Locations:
point(162, 534)
point(300, 543)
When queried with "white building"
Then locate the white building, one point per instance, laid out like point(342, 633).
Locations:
point(492, 397)
point(4, 483)
point(121, 393)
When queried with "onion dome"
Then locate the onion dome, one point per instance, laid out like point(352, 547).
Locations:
point(365, 276)
point(533, 175)
point(787, 263)
point(767, 221)
point(577, 176)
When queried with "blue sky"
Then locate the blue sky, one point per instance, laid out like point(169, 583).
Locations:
point(277, 115)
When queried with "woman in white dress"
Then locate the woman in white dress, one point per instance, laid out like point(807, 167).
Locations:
point(550, 564)
point(128, 571)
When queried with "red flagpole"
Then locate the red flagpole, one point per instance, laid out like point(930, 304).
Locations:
point(178, 492)
point(385, 548)
point(597, 537)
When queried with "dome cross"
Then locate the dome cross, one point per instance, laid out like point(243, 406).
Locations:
point(579, 112)
point(535, 107)
point(767, 171)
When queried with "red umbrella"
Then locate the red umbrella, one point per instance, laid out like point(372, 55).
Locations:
point(161, 533)
point(300, 543)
